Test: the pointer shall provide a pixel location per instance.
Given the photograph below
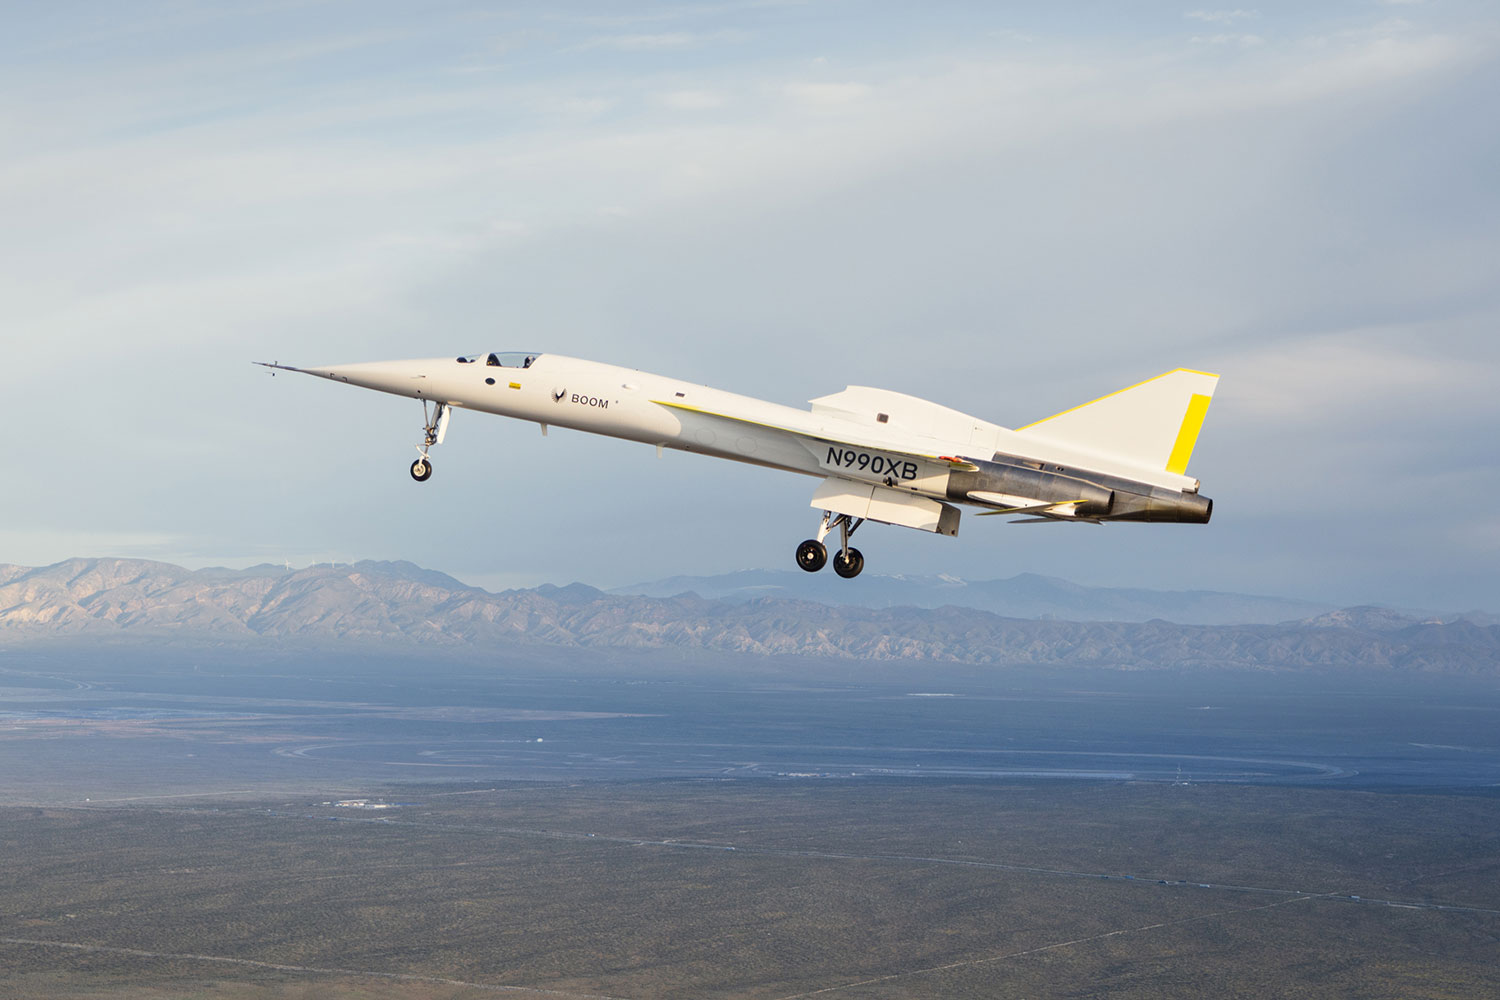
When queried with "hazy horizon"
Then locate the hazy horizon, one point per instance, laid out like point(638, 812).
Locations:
point(792, 576)
point(1021, 596)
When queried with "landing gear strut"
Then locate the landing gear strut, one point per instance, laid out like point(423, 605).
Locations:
point(812, 555)
point(435, 426)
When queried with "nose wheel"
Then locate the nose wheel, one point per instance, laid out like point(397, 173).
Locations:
point(435, 426)
point(812, 555)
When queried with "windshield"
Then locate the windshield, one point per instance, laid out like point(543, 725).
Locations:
point(502, 359)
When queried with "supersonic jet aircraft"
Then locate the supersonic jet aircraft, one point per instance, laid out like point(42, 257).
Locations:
point(882, 456)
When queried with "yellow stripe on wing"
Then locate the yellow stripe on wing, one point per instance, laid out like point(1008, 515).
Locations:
point(724, 416)
point(953, 463)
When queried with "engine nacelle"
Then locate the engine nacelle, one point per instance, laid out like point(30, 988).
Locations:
point(1033, 486)
point(1088, 495)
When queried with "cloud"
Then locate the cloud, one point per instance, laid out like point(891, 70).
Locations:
point(1357, 377)
point(825, 95)
point(587, 106)
point(662, 41)
point(640, 43)
point(1244, 41)
point(1221, 16)
point(692, 100)
point(680, 12)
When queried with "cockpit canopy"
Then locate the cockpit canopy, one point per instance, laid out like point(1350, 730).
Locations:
point(502, 359)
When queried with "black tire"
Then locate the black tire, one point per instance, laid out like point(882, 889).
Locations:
point(851, 567)
point(421, 470)
point(812, 555)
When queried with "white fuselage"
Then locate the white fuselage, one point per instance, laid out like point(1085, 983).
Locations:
point(882, 455)
point(560, 391)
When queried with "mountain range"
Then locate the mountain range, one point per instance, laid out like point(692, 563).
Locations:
point(1025, 596)
point(400, 604)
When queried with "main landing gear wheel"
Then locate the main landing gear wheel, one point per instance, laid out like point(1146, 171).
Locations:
point(848, 562)
point(421, 470)
point(812, 555)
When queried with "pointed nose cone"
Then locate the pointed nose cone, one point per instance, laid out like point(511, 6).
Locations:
point(405, 378)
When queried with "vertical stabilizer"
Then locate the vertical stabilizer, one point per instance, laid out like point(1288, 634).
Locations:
point(1153, 425)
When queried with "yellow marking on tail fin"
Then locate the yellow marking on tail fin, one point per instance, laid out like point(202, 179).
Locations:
point(1110, 395)
point(1187, 437)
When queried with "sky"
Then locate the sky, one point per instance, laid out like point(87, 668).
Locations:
point(1009, 208)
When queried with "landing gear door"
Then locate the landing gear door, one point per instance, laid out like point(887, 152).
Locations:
point(877, 503)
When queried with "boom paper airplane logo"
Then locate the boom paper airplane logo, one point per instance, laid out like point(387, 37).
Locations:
point(558, 394)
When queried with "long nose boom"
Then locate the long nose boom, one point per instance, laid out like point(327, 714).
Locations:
point(404, 378)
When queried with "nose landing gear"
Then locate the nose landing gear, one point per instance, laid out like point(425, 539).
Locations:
point(812, 555)
point(435, 427)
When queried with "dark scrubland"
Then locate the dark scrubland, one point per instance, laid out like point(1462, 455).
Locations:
point(860, 888)
point(696, 825)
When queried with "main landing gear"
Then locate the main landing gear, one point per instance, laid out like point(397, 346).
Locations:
point(435, 426)
point(812, 555)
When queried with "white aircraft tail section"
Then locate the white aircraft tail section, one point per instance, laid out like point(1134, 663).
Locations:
point(1153, 425)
